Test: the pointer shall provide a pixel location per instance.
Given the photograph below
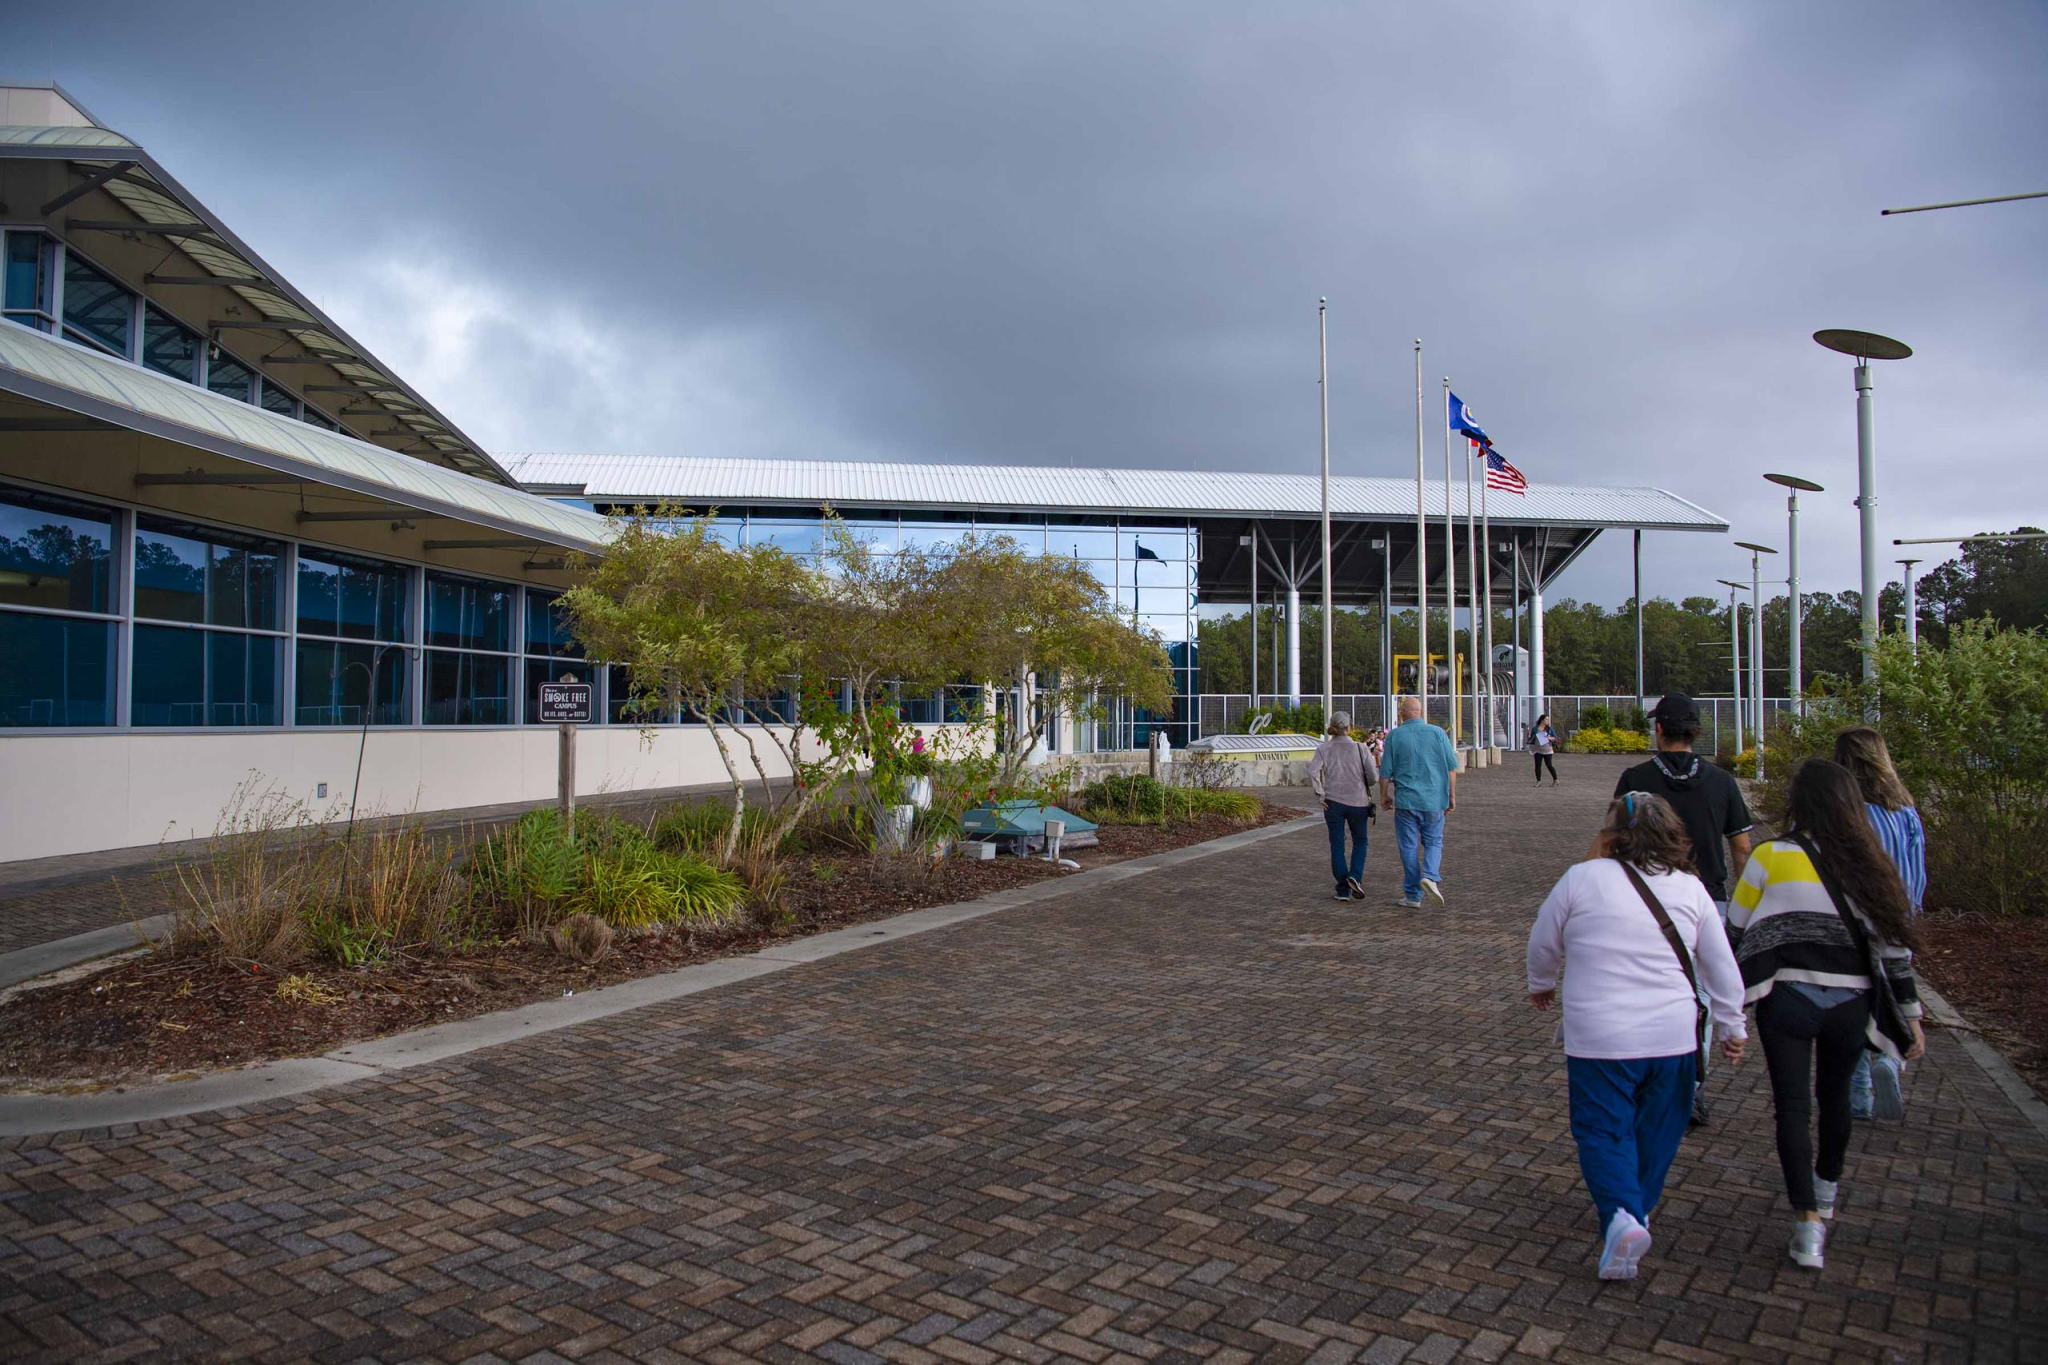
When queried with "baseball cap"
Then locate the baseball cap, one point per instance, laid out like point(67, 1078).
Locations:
point(1675, 707)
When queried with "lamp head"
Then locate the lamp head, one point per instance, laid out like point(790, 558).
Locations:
point(1795, 483)
point(1755, 548)
point(1863, 345)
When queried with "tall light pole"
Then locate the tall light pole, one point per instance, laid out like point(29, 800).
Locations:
point(1323, 389)
point(1866, 347)
point(1734, 654)
point(1756, 642)
point(1912, 608)
point(1793, 484)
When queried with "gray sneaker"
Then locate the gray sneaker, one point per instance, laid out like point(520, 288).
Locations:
point(1887, 1100)
point(1824, 1192)
point(1809, 1241)
point(1407, 904)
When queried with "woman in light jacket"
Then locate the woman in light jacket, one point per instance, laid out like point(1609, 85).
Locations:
point(1342, 775)
point(1631, 1013)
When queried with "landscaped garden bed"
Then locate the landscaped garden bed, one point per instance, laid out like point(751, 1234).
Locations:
point(1991, 968)
point(290, 948)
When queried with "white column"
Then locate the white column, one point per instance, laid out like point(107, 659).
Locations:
point(1293, 643)
point(1538, 697)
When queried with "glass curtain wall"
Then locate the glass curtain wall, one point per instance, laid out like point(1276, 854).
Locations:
point(57, 617)
point(469, 665)
point(209, 627)
point(355, 621)
point(551, 654)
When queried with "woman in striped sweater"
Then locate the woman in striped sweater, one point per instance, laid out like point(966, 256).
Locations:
point(1875, 1092)
point(1815, 914)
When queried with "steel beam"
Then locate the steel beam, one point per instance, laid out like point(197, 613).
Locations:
point(198, 281)
point(147, 229)
point(214, 480)
point(482, 544)
point(86, 186)
point(396, 514)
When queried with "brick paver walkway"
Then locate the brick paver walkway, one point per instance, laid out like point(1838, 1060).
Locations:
point(1201, 1114)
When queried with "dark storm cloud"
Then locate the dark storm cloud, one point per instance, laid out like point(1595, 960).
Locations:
point(1096, 233)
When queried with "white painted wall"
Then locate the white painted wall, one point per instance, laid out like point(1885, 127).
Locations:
point(76, 793)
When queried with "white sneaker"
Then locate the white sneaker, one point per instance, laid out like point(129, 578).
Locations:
point(1627, 1243)
point(1808, 1242)
point(1824, 1196)
point(1430, 888)
point(1887, 1100)
point(1407, 904)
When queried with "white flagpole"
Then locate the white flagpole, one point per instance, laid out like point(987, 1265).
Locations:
point(1472, 595)
point(1323, 387)
point(1486, 552)
point(1421, 557)
point(1450, 569)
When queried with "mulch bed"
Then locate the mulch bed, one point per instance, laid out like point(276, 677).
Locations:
point(167, 1015)
point(1991, 969)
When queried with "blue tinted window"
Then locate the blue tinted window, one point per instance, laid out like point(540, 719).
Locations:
point(203, 677)
point(227, 375)
point(539, 671)
point(189, 573)
point(547, 628)
point(796, 535)
point(95, 308)
point(468, 689)
point(930, 535)
point(55, 670)
point(355, 599)
point(463, 613)
point(53, 553)
point(168, 348)
point(312, 416)
point(28, 273)
point(1081, 542)
point(334, 686)
point(278, 400)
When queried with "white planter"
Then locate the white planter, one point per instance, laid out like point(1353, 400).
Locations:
point(920, 793)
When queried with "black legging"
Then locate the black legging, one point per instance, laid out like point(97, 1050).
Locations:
point(1545, 761)
point(1795, 1031)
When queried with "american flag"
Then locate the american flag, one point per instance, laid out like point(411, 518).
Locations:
point(1503, 476)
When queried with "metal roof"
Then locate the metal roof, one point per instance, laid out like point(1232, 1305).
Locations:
point(848, 483)
point(79, 379)
point(142, 188)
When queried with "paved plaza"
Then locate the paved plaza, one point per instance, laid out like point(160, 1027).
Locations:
point(1199, 1114)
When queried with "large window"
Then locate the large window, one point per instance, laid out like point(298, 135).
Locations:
point(551, 651)
point(31, 259)
point(469, 663)
point(168, 347)
point(355, 622)
point(56, 630)
point(214, 659)
point(97, 311)
point(279, 400)
point(227, 375)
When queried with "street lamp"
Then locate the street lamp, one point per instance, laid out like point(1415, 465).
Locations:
point(1912, 610)
point(1866, 347)
point(1735, 653)
point(1793, 484)
point(1756, 641)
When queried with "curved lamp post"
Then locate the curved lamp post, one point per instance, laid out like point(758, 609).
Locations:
point(1793, 486)
point(1866, 347)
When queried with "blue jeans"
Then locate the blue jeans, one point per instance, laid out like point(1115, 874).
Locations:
point(1420, 836)
point(1340, 817)
point(1628, 1118)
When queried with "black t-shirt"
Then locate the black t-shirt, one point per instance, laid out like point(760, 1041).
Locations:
point(1706, 797)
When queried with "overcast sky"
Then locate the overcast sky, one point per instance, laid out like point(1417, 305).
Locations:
point(1095, 233)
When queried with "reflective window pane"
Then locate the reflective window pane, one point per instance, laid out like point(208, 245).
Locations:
point(353, 598)
point(169, 348)
point(279, 400)
point(547, 629)
point(798, 536)
point(312, 416)
point(55, 671)
point(225, 374)
point(53, 553)
point(467, 689)
point(190, 573)
point(28, 271)
point(463, 613)
point(1081, 542)
point(932, 535)
point(203, 677)
point(95, 308)
point(334, 685)
point(539, 671)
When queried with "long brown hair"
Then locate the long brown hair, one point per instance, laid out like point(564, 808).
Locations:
point(1862, 751)
point(1826, 806)
point(1643, 831)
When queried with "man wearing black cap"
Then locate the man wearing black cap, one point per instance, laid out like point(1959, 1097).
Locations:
point(1704, 794)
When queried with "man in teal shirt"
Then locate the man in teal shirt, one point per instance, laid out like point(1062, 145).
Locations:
point(1419, 783)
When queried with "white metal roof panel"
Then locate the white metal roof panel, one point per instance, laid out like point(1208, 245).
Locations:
point(709, 482)
point(82, 380)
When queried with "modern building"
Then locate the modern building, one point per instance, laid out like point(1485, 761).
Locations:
point(238, 549)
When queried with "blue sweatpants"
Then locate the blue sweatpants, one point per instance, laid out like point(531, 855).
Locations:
point(1629, 1117)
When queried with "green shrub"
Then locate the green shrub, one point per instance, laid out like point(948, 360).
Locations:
point(1306, 719)
point(333, 937)
point(1606, 740)
point(528, 871)
point(1596, 718)
point(1139, 799)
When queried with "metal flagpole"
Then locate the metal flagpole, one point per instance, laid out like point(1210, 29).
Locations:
point(1255, 616)
point(1472, 592)
point(1450, 569)
point(1323, 388)
point(1486, 541)
point(1421, 556)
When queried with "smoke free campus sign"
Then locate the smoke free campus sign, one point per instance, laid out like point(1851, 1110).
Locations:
point(565, 703)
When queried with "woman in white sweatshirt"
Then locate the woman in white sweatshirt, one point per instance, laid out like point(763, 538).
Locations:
point(1631, 1009)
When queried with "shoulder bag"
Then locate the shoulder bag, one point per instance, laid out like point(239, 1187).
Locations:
point(1702, 1015)
point(1884, 1005)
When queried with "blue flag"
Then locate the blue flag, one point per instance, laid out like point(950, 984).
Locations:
point(1461, 420)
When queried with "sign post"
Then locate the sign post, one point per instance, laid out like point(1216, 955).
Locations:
point(568, 704)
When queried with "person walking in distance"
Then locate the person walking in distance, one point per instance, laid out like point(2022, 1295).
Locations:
point(1419, 783)
point(1543, 744)
point(1875, 1090)
point(1342, 774)
point(1644, 958)
point(1824, 935)
point(1708, 802)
